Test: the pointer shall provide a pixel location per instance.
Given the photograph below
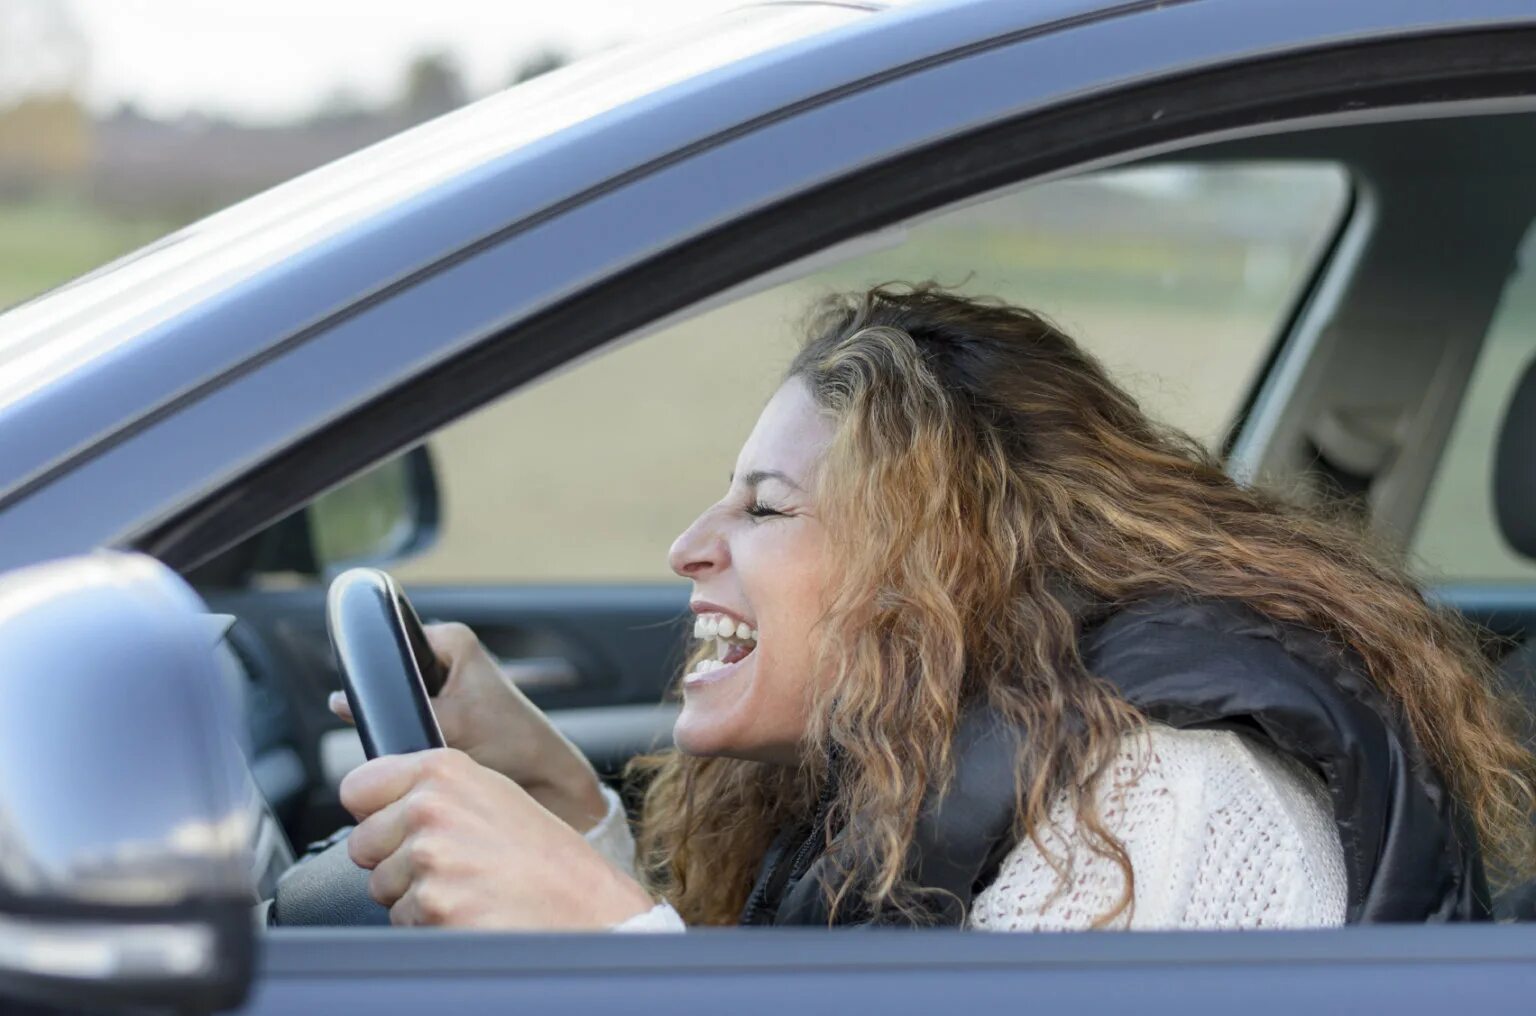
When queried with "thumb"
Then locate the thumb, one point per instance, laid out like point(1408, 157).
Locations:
point(338, 705)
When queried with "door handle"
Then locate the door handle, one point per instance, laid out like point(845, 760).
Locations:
point(541, 673)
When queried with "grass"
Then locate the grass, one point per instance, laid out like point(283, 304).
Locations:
point(49, 241)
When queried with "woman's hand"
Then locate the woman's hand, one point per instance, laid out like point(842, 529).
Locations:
point(452, 843)
point(486, 716)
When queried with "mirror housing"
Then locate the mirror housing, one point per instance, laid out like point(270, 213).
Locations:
point(127, 811)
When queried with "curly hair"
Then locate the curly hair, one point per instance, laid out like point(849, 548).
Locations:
point(983, 466)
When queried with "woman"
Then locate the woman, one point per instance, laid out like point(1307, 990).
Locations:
point(978, 643)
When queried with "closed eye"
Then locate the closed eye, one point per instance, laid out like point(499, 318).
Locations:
point(758, 510)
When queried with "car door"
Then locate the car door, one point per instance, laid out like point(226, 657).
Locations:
point(1019, 105)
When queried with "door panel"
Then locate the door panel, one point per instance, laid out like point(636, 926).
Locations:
point(1399, 970)
point(575, 646)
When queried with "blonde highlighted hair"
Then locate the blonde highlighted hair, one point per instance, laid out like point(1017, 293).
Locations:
point(982, 467)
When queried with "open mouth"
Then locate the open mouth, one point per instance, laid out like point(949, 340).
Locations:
point(731, 641)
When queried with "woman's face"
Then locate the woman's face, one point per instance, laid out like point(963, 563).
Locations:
point(756, 559)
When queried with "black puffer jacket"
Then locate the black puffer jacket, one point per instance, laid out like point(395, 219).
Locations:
point(1409, 854)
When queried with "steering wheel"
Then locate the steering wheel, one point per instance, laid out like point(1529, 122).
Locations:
point(387, 666)
point(389, 672)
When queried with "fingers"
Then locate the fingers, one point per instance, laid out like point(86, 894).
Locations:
point(439, 853)
point(391, 877)
point(451, 641)
point(418, 849)
point(423, 904)
point(379, 836)
point(379, 794)
point(338, 704)
point(379, 782)
point(410, 877)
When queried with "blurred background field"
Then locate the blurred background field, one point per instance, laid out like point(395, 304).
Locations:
point(51, 239)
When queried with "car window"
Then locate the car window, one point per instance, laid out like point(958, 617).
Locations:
point(1457, 538)
point(1177, 276)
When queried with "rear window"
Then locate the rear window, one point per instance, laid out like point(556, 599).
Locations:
point(1457, 538)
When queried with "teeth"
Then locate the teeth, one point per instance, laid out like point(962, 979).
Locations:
point(705, 666)
point(717, 626)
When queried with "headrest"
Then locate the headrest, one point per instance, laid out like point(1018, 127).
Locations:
point(1514, 467)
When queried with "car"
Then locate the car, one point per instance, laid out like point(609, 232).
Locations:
point(1317, 216)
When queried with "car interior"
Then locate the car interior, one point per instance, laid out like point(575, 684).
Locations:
point(1398, 378)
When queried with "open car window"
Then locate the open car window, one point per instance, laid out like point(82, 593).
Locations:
point(1178, 276)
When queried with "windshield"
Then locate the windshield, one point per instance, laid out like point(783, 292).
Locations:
point(48, 336)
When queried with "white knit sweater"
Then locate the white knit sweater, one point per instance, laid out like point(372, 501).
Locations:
point(1221, 833)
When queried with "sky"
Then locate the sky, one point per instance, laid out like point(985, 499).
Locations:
point(268, 60)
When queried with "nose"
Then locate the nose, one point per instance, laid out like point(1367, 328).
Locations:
point(700, 550)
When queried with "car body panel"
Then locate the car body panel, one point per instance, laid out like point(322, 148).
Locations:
point(1379, 969)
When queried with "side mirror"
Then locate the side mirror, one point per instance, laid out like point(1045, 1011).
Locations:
point(372, 520)
point(377, 517)
point(127, 813)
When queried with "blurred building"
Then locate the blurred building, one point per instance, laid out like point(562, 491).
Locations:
point(184, 168)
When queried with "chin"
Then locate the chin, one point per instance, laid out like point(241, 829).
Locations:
point(703, 736)
point(694, 734)
point(723, 715)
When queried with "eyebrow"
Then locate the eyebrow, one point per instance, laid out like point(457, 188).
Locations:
point(757, 476)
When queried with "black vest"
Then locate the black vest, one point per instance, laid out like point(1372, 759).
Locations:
point(1409, 852)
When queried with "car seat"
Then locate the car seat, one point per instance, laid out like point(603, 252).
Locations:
point(1514, 499)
